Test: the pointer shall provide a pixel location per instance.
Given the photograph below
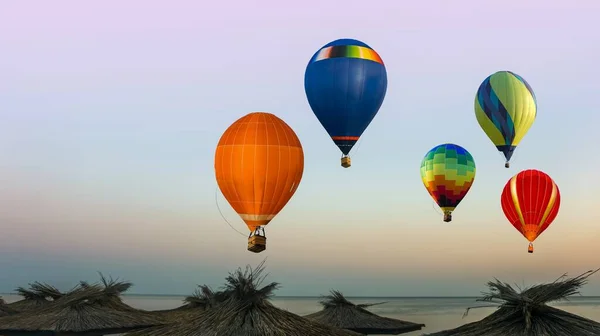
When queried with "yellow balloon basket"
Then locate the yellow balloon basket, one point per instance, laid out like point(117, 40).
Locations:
point(346, 163)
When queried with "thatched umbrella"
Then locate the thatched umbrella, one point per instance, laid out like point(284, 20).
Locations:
point(38, 295)
point(48, 291)
point(526, 313)
point(5, 310)
point(202, 299)
point(246, 312)
point(112, 290)
point(339, 312)
point(86, 310)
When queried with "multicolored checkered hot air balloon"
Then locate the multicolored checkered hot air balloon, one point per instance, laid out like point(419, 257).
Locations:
point(448, 171)
point(505, 108)
point(530, 200)
point(345, 83)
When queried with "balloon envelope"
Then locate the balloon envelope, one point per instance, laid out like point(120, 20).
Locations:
point(448, 172)
point(259, 163)
point(530, 201)
point(505, 107)
point(345, 83)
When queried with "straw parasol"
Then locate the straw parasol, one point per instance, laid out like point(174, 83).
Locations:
point(246, 312)
point(86, 310)
point(38, 295)
point(47, 291)
point(526, 313)
point(5, 310)
point(202, 299)
point(112, 290)
point(339, 312)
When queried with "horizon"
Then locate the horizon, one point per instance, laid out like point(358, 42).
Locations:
point(108, 138)
point(346, 296)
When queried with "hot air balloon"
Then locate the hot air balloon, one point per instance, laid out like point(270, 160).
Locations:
point(345, 83)
point(530, 200)
point(259, 163)
point(448, 171)
point(505, 108)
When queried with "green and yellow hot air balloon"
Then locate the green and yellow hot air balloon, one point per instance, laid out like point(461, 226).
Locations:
point(505, 108)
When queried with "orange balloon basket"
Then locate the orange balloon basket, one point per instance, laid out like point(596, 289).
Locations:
point(530, 248)
point(257, 244)
point(346, 162)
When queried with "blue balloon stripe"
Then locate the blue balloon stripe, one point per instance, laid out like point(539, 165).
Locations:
point(507, 150)
point(495, 110)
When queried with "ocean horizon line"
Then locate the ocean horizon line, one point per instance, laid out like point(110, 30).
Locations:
point(320, 296)
point(353, 297)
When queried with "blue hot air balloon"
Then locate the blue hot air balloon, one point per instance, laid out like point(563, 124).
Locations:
point(345, 83)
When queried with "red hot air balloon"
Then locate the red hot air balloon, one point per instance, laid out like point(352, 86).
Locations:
point(530, 200)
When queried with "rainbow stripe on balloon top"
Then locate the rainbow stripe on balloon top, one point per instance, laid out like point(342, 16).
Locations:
point(448, 171)
point(347, 51)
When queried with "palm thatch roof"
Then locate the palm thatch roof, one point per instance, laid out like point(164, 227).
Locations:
point(38, 295)
point(526, 313)
point(112, 289)
point(48, 291)
point(5, 310)
point(339, 312)
point(88, 309)
point(202, 299)
point(246, 311)
point(205, 297)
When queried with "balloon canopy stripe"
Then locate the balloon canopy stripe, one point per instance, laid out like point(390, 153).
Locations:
point(524, 83)
point(514, 196)
point(355, 138)
point(550, 206)
point(347, 51)
point(495, 110)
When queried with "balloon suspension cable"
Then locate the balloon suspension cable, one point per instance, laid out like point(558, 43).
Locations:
point(355, 150)
point(434, 206)
point(223, 216)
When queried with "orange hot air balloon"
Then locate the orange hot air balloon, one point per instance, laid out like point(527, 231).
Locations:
point(258, 165)
point(530, 200)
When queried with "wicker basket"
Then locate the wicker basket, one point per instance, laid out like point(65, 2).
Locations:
point(346, 162)
point(257, 244)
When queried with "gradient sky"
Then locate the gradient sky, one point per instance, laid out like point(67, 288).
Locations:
point(110, 112)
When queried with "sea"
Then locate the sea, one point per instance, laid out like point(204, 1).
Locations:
point(437, 313)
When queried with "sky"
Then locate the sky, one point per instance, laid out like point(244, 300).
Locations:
point(110, 112)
